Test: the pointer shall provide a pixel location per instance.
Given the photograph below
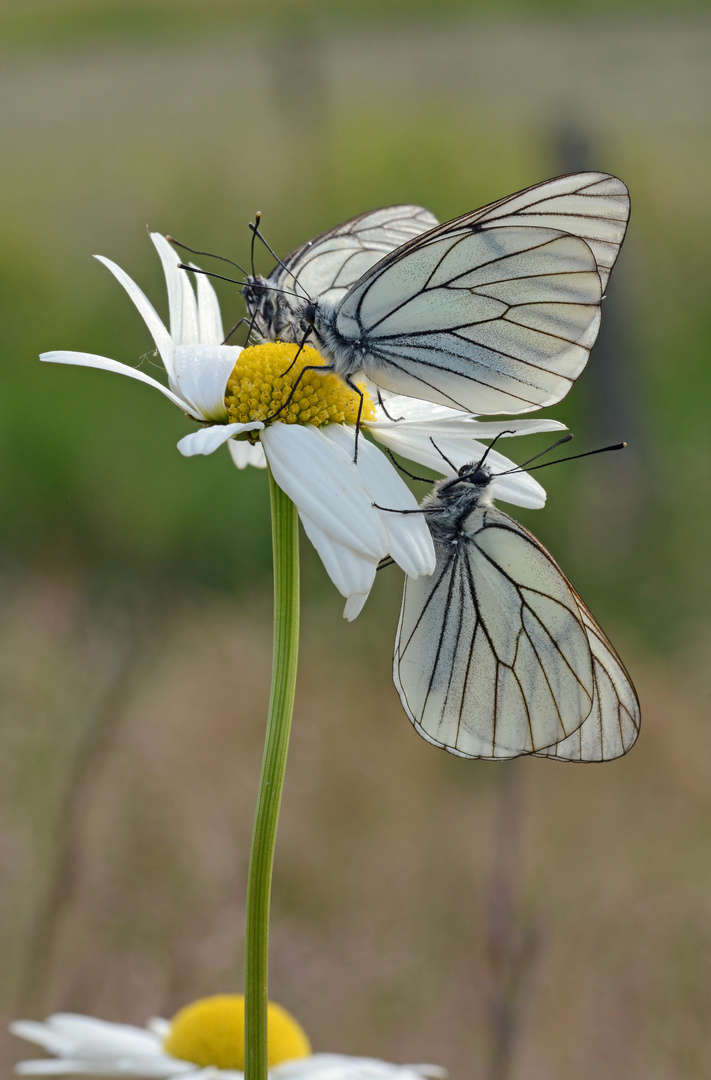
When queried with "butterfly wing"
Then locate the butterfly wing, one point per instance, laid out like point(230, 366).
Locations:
point(613, 725)
point(325, 268)
point(492, 657)
point(592, 205)
point(495, 311)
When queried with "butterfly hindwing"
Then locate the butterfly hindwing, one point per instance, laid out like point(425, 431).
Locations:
point(492, 658)
point(613, 725)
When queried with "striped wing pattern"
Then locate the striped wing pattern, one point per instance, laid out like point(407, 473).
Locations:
point(329, 265)
point(497, 310)
point(496, 655)
point(492, 659)
point(592, 205)
point(613, 725)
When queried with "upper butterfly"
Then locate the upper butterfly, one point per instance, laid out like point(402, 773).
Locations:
point(495, 311)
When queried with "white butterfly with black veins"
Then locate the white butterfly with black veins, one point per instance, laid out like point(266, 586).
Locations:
point(496, 654)
point(327, 267)
point(495, 311)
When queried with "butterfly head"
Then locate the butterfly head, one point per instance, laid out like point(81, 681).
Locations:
point(453, 500)
point(469, 485)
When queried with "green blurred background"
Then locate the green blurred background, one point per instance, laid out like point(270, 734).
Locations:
point(417, 898)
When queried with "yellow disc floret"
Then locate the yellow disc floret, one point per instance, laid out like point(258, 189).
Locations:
point(210, 1032)
point(263, 380)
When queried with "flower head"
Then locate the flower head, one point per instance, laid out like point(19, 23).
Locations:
point(205, 1040)
point(247, 399)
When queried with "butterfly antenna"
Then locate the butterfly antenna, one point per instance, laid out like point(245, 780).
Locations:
point(564, 439)
point(573, 457)
point(208, 254)
point(233, 281)
point(256, 234)
point(491, 445)
point(209, 273)
point(588, 453)
point(255, 230)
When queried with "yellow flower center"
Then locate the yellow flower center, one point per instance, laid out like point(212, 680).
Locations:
point(263, 380)
point(210, 1032)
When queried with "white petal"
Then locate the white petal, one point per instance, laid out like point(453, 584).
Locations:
point(352, 573)
point(149, 1068)
point(457, 440)
point(209, 439)
point(413, 409)
point(519, 489)
point(184, 328)
point(201, 373)
point(159, 1026)
point(409, 539)
point(54, 1042)
point(246, 453)
point(54, 1067)
point(209, 317)
point(354, 605)
point(90, 1037)
point(212, 1073)
point(489, 429)
point(105, 364)
point(342, 1067)
point(323, 482)
point(150, 316)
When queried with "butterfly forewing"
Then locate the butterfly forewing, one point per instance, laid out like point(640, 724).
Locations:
point(594, 206)
point(492, 658)
point(495, 320)
point(495, 311)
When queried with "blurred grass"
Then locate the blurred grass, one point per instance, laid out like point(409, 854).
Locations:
point(51, 23)
point(187, 118)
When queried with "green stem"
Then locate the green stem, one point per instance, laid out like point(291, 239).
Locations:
point(285, 541)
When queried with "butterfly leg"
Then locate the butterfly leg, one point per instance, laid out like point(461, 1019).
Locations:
point(356, 390)
point(402, 469)
point(381, 403)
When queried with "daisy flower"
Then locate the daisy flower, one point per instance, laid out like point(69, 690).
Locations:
point(204, 1041)
point(239, 397)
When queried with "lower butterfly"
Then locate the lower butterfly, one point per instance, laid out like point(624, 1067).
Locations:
point(496, 654)
point(495, 311)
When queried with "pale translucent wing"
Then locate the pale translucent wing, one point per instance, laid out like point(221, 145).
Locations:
point(489, 320)
point(329, 265)
point(613, 725)
point(592, 205)
point(492, 658)
point(325, 268)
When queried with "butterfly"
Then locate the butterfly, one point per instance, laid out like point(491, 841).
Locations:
point(496, 654)
point(495, 311)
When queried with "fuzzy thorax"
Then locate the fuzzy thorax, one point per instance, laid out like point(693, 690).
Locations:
point(263, 380)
